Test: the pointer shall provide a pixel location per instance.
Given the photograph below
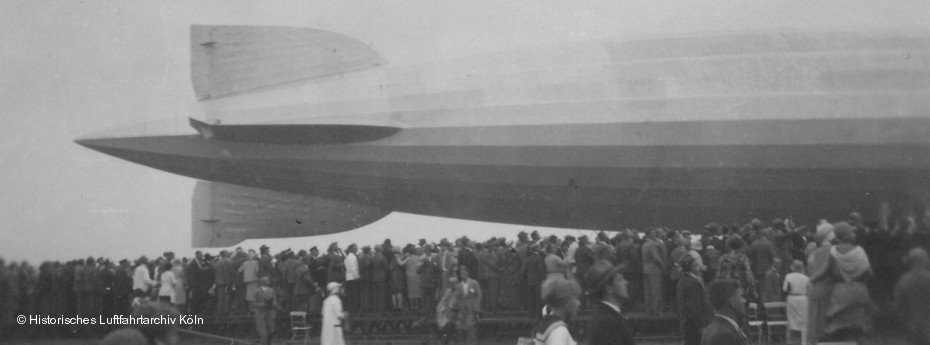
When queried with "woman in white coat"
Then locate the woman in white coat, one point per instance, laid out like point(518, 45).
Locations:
point(166, 283)
point(331, 332)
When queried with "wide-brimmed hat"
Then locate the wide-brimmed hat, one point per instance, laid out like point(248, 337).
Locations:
point(601, 273)
point(332, 287)
point(824, 232)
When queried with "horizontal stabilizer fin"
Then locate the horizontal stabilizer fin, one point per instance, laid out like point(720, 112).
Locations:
point(294, 134)
point(225, 215)
point(232, 59)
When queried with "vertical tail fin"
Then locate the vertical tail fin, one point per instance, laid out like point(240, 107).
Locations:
point(232, 59)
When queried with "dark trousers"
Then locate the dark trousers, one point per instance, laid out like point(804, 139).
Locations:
point(489, 291)
point(379, 294)
point(534, 301)
point(429, 301)
point(366, 294)
point(108, 304)
point(239, 304)
point(353, 295)
point(653, 291)
point(82, 298)
point(288, 294)
point(198, 300)
point(468, 335)
point(690, 334)
point(222, 299)
point(88, 303)
point(264, 324)
point(671, 294)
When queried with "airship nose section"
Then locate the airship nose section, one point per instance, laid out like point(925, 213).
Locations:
point(104, 145)
point(136, 142)
point(87, 142)
point(123, 148)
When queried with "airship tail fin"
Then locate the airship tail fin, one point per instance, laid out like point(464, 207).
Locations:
point(227, 60)
point(225, 215)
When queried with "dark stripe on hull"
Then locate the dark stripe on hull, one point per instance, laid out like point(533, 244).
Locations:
point(583, 197)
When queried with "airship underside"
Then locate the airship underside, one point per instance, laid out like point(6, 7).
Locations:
point(676, 131)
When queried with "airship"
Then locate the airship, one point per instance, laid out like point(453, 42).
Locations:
point(311, 132)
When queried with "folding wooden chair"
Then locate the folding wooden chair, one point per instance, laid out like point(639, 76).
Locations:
point(776, 319)
point(756, 326)
point(299, 327)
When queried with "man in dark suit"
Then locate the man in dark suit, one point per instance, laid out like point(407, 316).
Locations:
point(653, 267)
point(534, 272)
point(223, 276)
point(609, 325)
point(379, 280)
point(584, 258)
point(303, 287)
point(364, 269)
point(200, 278)
point(468, 259)
point(726, 295)
point(762, 255)
point(629, 260)
point(694, 309)
point(488, 276)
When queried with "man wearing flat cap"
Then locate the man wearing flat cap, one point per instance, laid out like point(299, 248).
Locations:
point(609, 325)
point(694, 309)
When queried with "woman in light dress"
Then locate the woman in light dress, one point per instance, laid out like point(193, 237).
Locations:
point(179, 298)
point(796, 286)
point(331, 332)
point(166, 282)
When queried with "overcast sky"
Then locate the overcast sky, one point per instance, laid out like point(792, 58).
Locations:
point(70, 68)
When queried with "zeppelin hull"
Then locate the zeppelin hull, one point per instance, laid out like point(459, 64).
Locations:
point(603, 181)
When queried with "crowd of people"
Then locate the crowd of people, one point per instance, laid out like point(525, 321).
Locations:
point(839, 270)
